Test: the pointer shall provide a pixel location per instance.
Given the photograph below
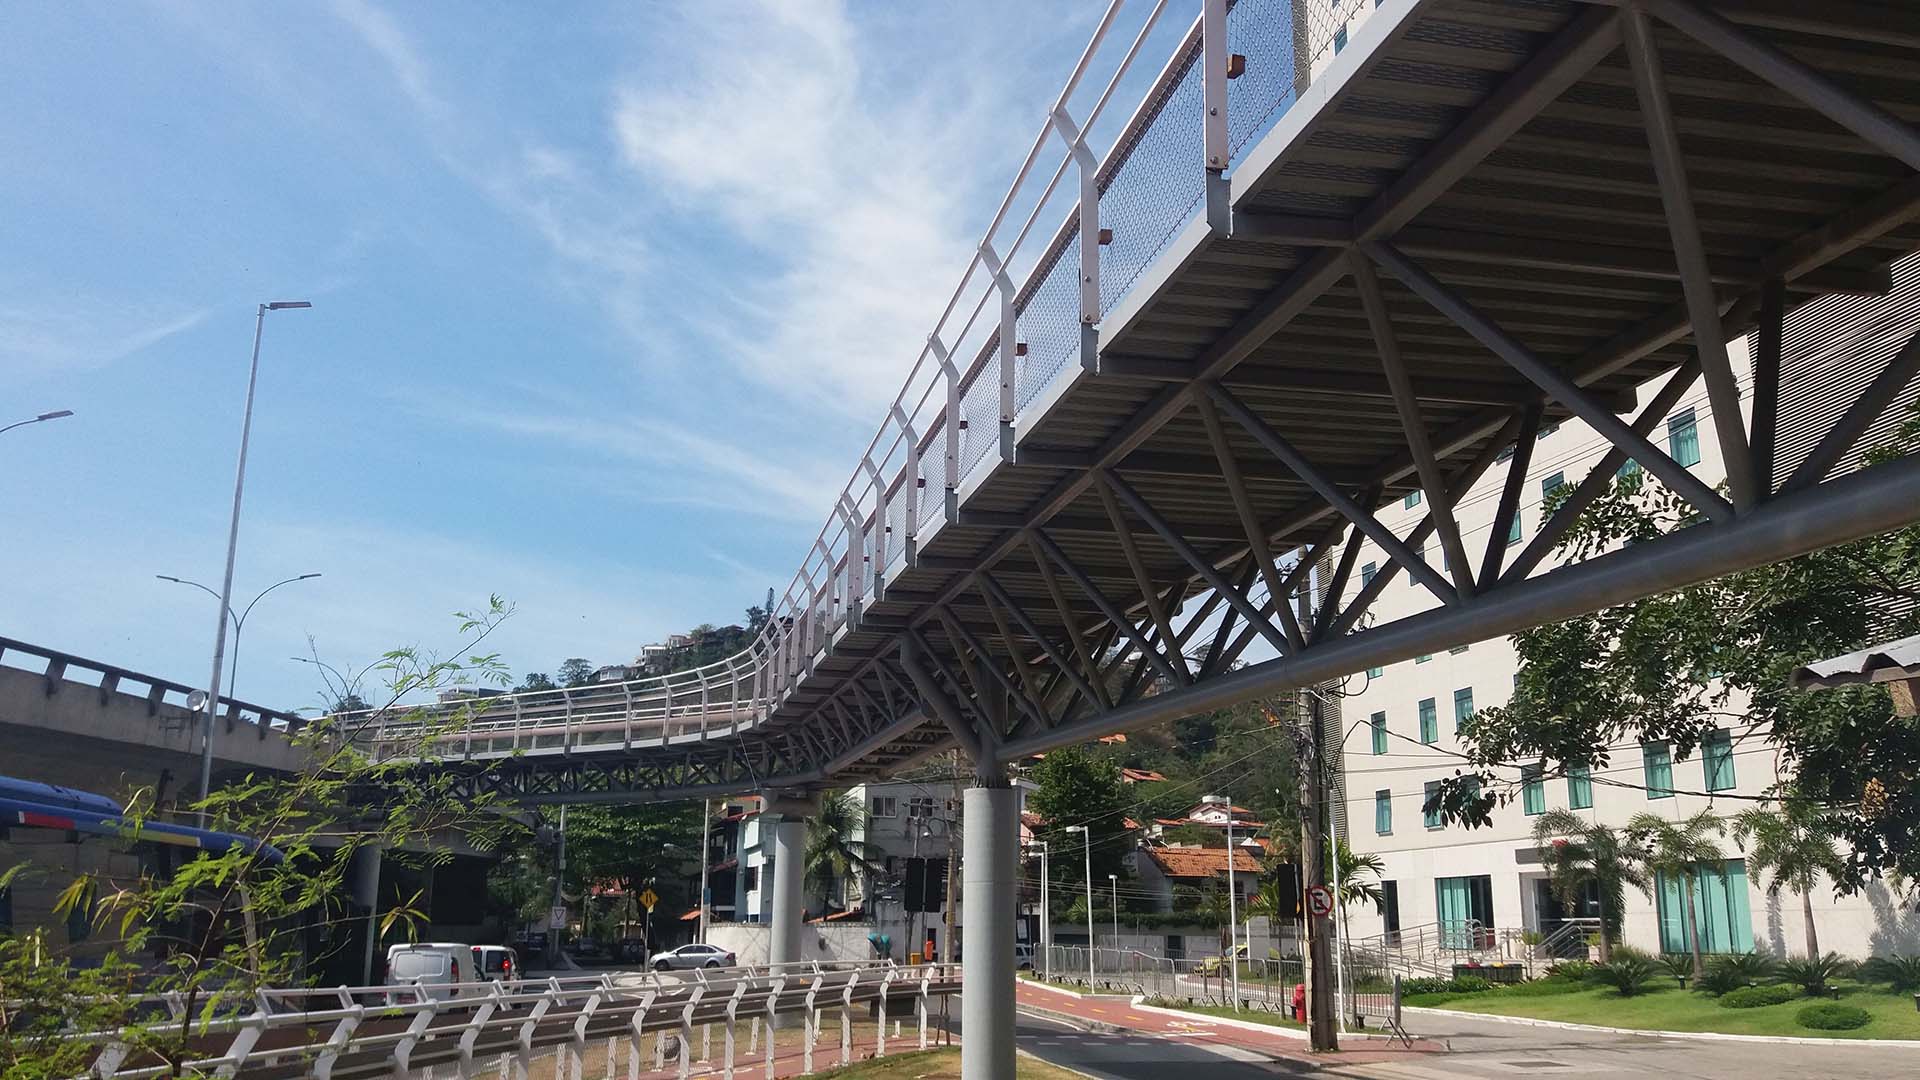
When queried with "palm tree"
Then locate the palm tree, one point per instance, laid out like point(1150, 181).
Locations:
point(1578, 855)
point(1674, 849)
point(836, 851)
point(1359, 880)
point(1793, 846)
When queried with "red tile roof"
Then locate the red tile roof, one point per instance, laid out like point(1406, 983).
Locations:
point(1201, 863)
point(1140, 776)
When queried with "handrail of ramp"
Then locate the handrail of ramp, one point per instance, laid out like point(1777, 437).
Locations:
point(1138, 183)
point(59, 666)
point(347, 1033)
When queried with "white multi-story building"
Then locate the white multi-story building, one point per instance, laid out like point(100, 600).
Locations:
point(1401, 723)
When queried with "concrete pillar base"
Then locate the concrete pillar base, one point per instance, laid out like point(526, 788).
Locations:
point(991, 868)
point(786, 822)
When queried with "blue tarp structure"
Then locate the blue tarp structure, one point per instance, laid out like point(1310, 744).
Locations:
point(34, 805)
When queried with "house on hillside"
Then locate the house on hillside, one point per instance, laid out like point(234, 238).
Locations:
point(1161, 870)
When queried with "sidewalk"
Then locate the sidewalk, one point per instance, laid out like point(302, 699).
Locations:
point(1283, 1045)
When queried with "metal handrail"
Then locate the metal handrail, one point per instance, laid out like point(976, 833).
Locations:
point(60, 665)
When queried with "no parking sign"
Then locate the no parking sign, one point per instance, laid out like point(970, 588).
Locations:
point(1319, 901)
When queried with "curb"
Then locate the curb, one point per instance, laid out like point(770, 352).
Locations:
point(1255, 1025)
point(1078, 1023)
point(1655, 1033)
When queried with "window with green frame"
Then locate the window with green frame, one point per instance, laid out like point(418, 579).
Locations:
point(1379, 723)
point(1432, 816)
point(1656, 762)
point(1627, 469)
point(1719, 903)
point(1716, 757)
point(1383, 812)
point(1513, 530)
point(1462, 706)
point(1551, 484)
point(1375, 673)
point(1423, 658)
point(1533, 791)
point(1580, 788)
point(1456, 650)
point(1366, 573)
point(1683, 437)
point(1412, 500)
point(1429, 722)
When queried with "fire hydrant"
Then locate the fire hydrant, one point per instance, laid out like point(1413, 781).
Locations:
point(1300, 1002)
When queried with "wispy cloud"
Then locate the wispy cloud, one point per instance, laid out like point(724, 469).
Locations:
point(39, 340)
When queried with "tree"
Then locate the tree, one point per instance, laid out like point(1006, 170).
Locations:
point(633, 847)
point(1359, 876)
point(575, 671)
point(1674, 850)
point(1794, 848)
point(836, 851)
point(1676, 666)
point(536, 680)
point(1579, 854)
point(1073, 787)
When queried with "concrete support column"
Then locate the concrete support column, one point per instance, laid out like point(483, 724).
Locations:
point(786, 822)
point(991, 868)
point(363, 891)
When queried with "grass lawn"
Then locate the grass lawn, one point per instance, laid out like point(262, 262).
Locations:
point(1078, 988)
point(1672, 1009)
point(1257, 1016)
point(942, 1064)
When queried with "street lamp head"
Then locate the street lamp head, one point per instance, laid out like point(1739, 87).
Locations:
point(283, 305)
point(304, 577)
point(1076, 828)
point(1113, 877)
point(1213, 800)
point(54, 415)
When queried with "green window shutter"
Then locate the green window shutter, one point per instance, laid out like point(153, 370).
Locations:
point(1551, 484)
point(1383, 812)
point(1656, 762)
point(1683, 438)
point(1366, 573)
point(1429, 722)
point(1580, 788)
point(1739, 918)
point(1462, 706)
point(1432, 817)
point(1716, 757)
point(1533, 793)
point(1380, 733)
point(1412, 500)
point(1513, 531)
point(1423, 658)
point(1671, 902)
point(1375, 673)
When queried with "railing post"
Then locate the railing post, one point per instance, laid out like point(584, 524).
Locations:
point(472, 1033)
point(910, 520)
point(880, 1036)
point(773, 1003)
point(950, 427)
point(926, 974)
point(1089, 170)
point(856, 557)
point(686, 1029)
point(636, 1045)
point(846, 1018)
point(733, 1010)
point(1213, 93)
point(810, 1023)
point(1009, 346)
point(880, 552)
point(342, 1035)
point(403, 1050)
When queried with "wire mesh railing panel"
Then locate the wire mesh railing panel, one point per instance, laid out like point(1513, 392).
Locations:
point(1263, 32)
point(1050, 323)
point(1153, 183)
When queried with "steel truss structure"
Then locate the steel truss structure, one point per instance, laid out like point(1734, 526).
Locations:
point(1481, 217)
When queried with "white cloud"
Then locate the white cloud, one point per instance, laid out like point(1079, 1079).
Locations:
point(38, 340)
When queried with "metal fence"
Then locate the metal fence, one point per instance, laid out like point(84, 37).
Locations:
point(348, 1033)
point(1263, 983)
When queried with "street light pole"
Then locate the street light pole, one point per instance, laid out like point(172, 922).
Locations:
point(1233, 898)
point(1113, 881)
point(706, 856)
point(42, 418)
point(239, 621)
point(1087, 835)
point(233, 541)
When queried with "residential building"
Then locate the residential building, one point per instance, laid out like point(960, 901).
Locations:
point(1162, 869)
point(1405, 741)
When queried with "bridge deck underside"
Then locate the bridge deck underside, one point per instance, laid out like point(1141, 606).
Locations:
point(1502, 149)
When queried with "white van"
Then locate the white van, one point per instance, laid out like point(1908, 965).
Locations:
point(439, 966)
point(497, 963)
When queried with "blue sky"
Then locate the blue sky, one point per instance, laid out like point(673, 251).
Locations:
point(605, 305)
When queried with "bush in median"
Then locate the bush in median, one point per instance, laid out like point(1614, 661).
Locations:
point(1830, 1017)
point(1753, 997)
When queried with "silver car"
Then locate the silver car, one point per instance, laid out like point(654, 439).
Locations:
point(691, 956)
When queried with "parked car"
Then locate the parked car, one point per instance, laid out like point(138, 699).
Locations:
point(1023, 957)
point(497, 963)
point(584, 946)
point(440, 967)
point(692, 956)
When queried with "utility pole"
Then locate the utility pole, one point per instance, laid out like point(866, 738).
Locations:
point(1321, 1030)
point(953, 857)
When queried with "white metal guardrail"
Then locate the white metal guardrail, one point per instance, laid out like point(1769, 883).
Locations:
point(346, 1033)
point(995, 347)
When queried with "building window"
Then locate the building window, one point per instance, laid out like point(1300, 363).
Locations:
point(1375, 673)
point(1429, 726)
point(1465, 908)
point(1513, 530)
point(1462, 706)
point(1457, 650)
point(885, 806)
point(1683, 438)
point(750, 878)
point(1423, 658)
point(1505, 454)
point(1430, 813)
point(1716, 753)
point(1367, 572)
point(1628, 469)
point(1656, 761)
point(1533, 792)
point(1580, 788)
point(1547, 429)
point(920, 806)
point(1339, 40)
point(1380, 733)
point(1412, 500)
point(1551, 484)
point(1382, 812)
point(1720, 908)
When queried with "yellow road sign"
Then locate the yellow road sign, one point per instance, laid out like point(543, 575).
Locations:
point(648, 899)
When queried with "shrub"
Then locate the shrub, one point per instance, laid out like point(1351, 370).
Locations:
point(1753, 997)
point(1718, 980)
point(1749, 967)
point(1469, 984)
point(1814, 975)
point(1571, 971)
point(1678, 965)
point(1543, 988)
point(1829, 1016)
point(1628, 972)
point(1425, 984)
point(1898, 972)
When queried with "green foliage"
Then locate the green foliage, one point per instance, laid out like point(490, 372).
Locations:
point(1077, 787)
point(1578, 854)
point(1628, 972)
point(1754, 997)
point(1575, 971)
point(1793, 846)
point(632, 847)
point(1747, 968)
point(1814, 975)
point(1673, 849)
point(1543, 987)
point(1832, 1016)
point(1469, 984)
point(1898, 972)
point(835, 853)
point(1716, 655)
point(1717, 981)
point(1678, 965)
point(575, 671)
point(1441, 985)
point(44, 998)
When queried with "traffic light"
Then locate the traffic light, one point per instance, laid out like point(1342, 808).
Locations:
point(936, 889)
point(915, 885)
